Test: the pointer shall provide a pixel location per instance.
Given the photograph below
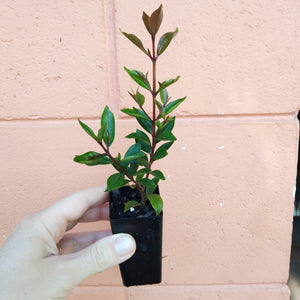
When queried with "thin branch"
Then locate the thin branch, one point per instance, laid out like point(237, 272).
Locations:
point(119, 167)
point(154, 93)
point(145, 112)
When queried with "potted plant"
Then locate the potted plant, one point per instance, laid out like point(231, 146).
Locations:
point(135, 201)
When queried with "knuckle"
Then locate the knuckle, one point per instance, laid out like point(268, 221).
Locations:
point(101, 257)
point(28, 220)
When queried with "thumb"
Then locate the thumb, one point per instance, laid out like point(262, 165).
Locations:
point(103, 254)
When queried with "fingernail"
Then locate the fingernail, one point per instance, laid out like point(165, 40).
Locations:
point(124, 245)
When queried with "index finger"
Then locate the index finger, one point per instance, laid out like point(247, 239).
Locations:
point(57, 216)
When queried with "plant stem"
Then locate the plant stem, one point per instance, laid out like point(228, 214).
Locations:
point(153, 58)
point(122, 170)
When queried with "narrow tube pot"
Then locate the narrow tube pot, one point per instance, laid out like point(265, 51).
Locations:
point(144, 267)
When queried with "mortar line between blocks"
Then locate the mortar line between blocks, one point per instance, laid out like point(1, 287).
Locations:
point(221, 286)
point(243, 118)
point(112, 70)
point(240, 118)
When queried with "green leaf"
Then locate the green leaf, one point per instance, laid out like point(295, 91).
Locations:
point(139, 136)
point(134, 113)
point(150, 190)
point(160, 153)
point(165, 84)
point(108, 122)
point(172, 105)
point(118, 158)
point(131, 204)
point(92, 158)
point(101, 132)
point(116, 167)
point(140, 99)
point(88, 130)
point(158, 174)
point(146, 148)
point(116, 181)
point(165, 136)
point(139, 78)
point(169, 125)
point(146, 182)
point(158, 124)
point(139, 177)
point(167, 145)
point(165, 41)
point(143, 161)
point(134, 39)
point(133, 156)
point(146, 124)
point(156, 19)
point(161, 109)
point(164, 96)
point(143, 171)
point(133, 166)
point(165, 133)
point(156, 202)
point(134, 152)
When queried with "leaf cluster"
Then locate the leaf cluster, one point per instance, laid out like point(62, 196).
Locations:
point(154, 137)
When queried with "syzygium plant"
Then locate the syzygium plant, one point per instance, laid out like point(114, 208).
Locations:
point(153, 139)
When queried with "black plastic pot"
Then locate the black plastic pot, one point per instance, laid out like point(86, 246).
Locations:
point(144, 267)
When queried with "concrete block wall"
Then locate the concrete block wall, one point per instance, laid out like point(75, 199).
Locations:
point(231, 174)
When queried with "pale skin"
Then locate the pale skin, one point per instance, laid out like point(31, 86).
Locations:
point(39, 261)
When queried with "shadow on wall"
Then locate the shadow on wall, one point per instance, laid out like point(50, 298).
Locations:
point(294, 277)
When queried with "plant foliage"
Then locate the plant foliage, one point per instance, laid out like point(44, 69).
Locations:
point(153, 140)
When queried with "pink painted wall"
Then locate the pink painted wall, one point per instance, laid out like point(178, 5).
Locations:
point(229, 193)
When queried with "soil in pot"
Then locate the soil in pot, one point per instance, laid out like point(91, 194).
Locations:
point(144, 267)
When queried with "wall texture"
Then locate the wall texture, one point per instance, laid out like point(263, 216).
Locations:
point(229, 194)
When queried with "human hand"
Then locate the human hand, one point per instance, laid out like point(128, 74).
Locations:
point(38, 261)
